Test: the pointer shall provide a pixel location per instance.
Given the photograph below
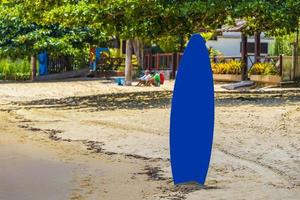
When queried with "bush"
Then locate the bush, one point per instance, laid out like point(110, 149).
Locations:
point(283, 45)
point(263, 69)
point(231, 67)
point(14, 69)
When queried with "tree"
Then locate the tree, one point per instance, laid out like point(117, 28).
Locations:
point(23, 34)
point(66, 26)
point(268, 16)
point(142, 19)
point(273, 17)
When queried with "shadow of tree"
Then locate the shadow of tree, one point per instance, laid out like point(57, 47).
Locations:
point(135, 100)
point(266, 100)
point(156, 99)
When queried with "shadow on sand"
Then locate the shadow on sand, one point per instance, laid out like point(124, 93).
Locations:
point(153, 99)
point(135, 100)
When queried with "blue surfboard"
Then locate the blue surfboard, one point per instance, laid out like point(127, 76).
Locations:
point(192, 115)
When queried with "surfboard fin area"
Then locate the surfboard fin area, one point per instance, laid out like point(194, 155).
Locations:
point(192, 115)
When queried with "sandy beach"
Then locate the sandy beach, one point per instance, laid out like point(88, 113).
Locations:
point(85, 140)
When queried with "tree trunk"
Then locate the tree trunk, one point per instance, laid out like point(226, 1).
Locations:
point(33, 67)
point(257, 46)
point(138, 50)
point(244, 56)
point(295, 57)
point(142, 54)
point(181, 43)
point(128, 63)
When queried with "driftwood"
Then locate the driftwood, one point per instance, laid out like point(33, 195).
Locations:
point(64, 75)
point(234, 86)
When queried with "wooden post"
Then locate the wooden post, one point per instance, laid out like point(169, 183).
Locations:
point(257, 46)
point(295, 56)
point(244, 55)
point(174, 64)
point(157, 61)
point(150, 61)
point(146, 62)
point(280, 65)
point(215, 59)
point(119, 51)
point(33, 67)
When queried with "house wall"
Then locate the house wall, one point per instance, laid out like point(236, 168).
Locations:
point(229, 43)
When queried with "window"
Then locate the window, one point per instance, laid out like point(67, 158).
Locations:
point(251, 47)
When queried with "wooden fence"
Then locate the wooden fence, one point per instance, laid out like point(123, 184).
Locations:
point(170, 61)
point(63, 64)
point(162, 61)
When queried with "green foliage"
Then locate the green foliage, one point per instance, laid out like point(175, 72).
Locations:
point(283, 45)
point(14, 69)
point(207, 35)
point(26, 33)
point(263, 69)
point(231, 67)
point(169, 43)
point(115, 52)
point(213, 52)
point(68, 27)
point(131, 18)
point(274, 17)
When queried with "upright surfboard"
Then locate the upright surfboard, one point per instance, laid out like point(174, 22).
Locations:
point(192, 115)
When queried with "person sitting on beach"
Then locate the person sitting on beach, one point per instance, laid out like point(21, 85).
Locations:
point(144, 79)
point(155, 80)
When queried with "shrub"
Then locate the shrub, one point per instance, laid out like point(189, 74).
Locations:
point(231, 67)
point(263, 69)
point(14, 69)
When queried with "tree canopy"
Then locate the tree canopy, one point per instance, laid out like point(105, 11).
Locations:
point(63, 26)
point(24, 31)
point(271, 16)
point(68, 26)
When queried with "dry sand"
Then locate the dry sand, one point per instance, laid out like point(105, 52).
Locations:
point(95, 140)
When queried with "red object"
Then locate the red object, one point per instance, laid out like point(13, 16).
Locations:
point(162, 78)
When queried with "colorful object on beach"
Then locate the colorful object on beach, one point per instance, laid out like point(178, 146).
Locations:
point(192, 115)
point(162, 78)
point(120, 80)
point(95, 56)
point(43, 60)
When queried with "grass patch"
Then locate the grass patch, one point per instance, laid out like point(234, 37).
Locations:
point(18, 69)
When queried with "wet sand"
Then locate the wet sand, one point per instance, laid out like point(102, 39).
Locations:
point(25, 177)
point(105, 144)
point(34, 166)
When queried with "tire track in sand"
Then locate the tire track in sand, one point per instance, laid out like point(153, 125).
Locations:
point(270, 173)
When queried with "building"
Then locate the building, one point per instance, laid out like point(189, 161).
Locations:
point(229, 44)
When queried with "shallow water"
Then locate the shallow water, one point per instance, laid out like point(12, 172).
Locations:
point(32, 176)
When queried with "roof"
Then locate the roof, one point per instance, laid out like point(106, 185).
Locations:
point(238, 27)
